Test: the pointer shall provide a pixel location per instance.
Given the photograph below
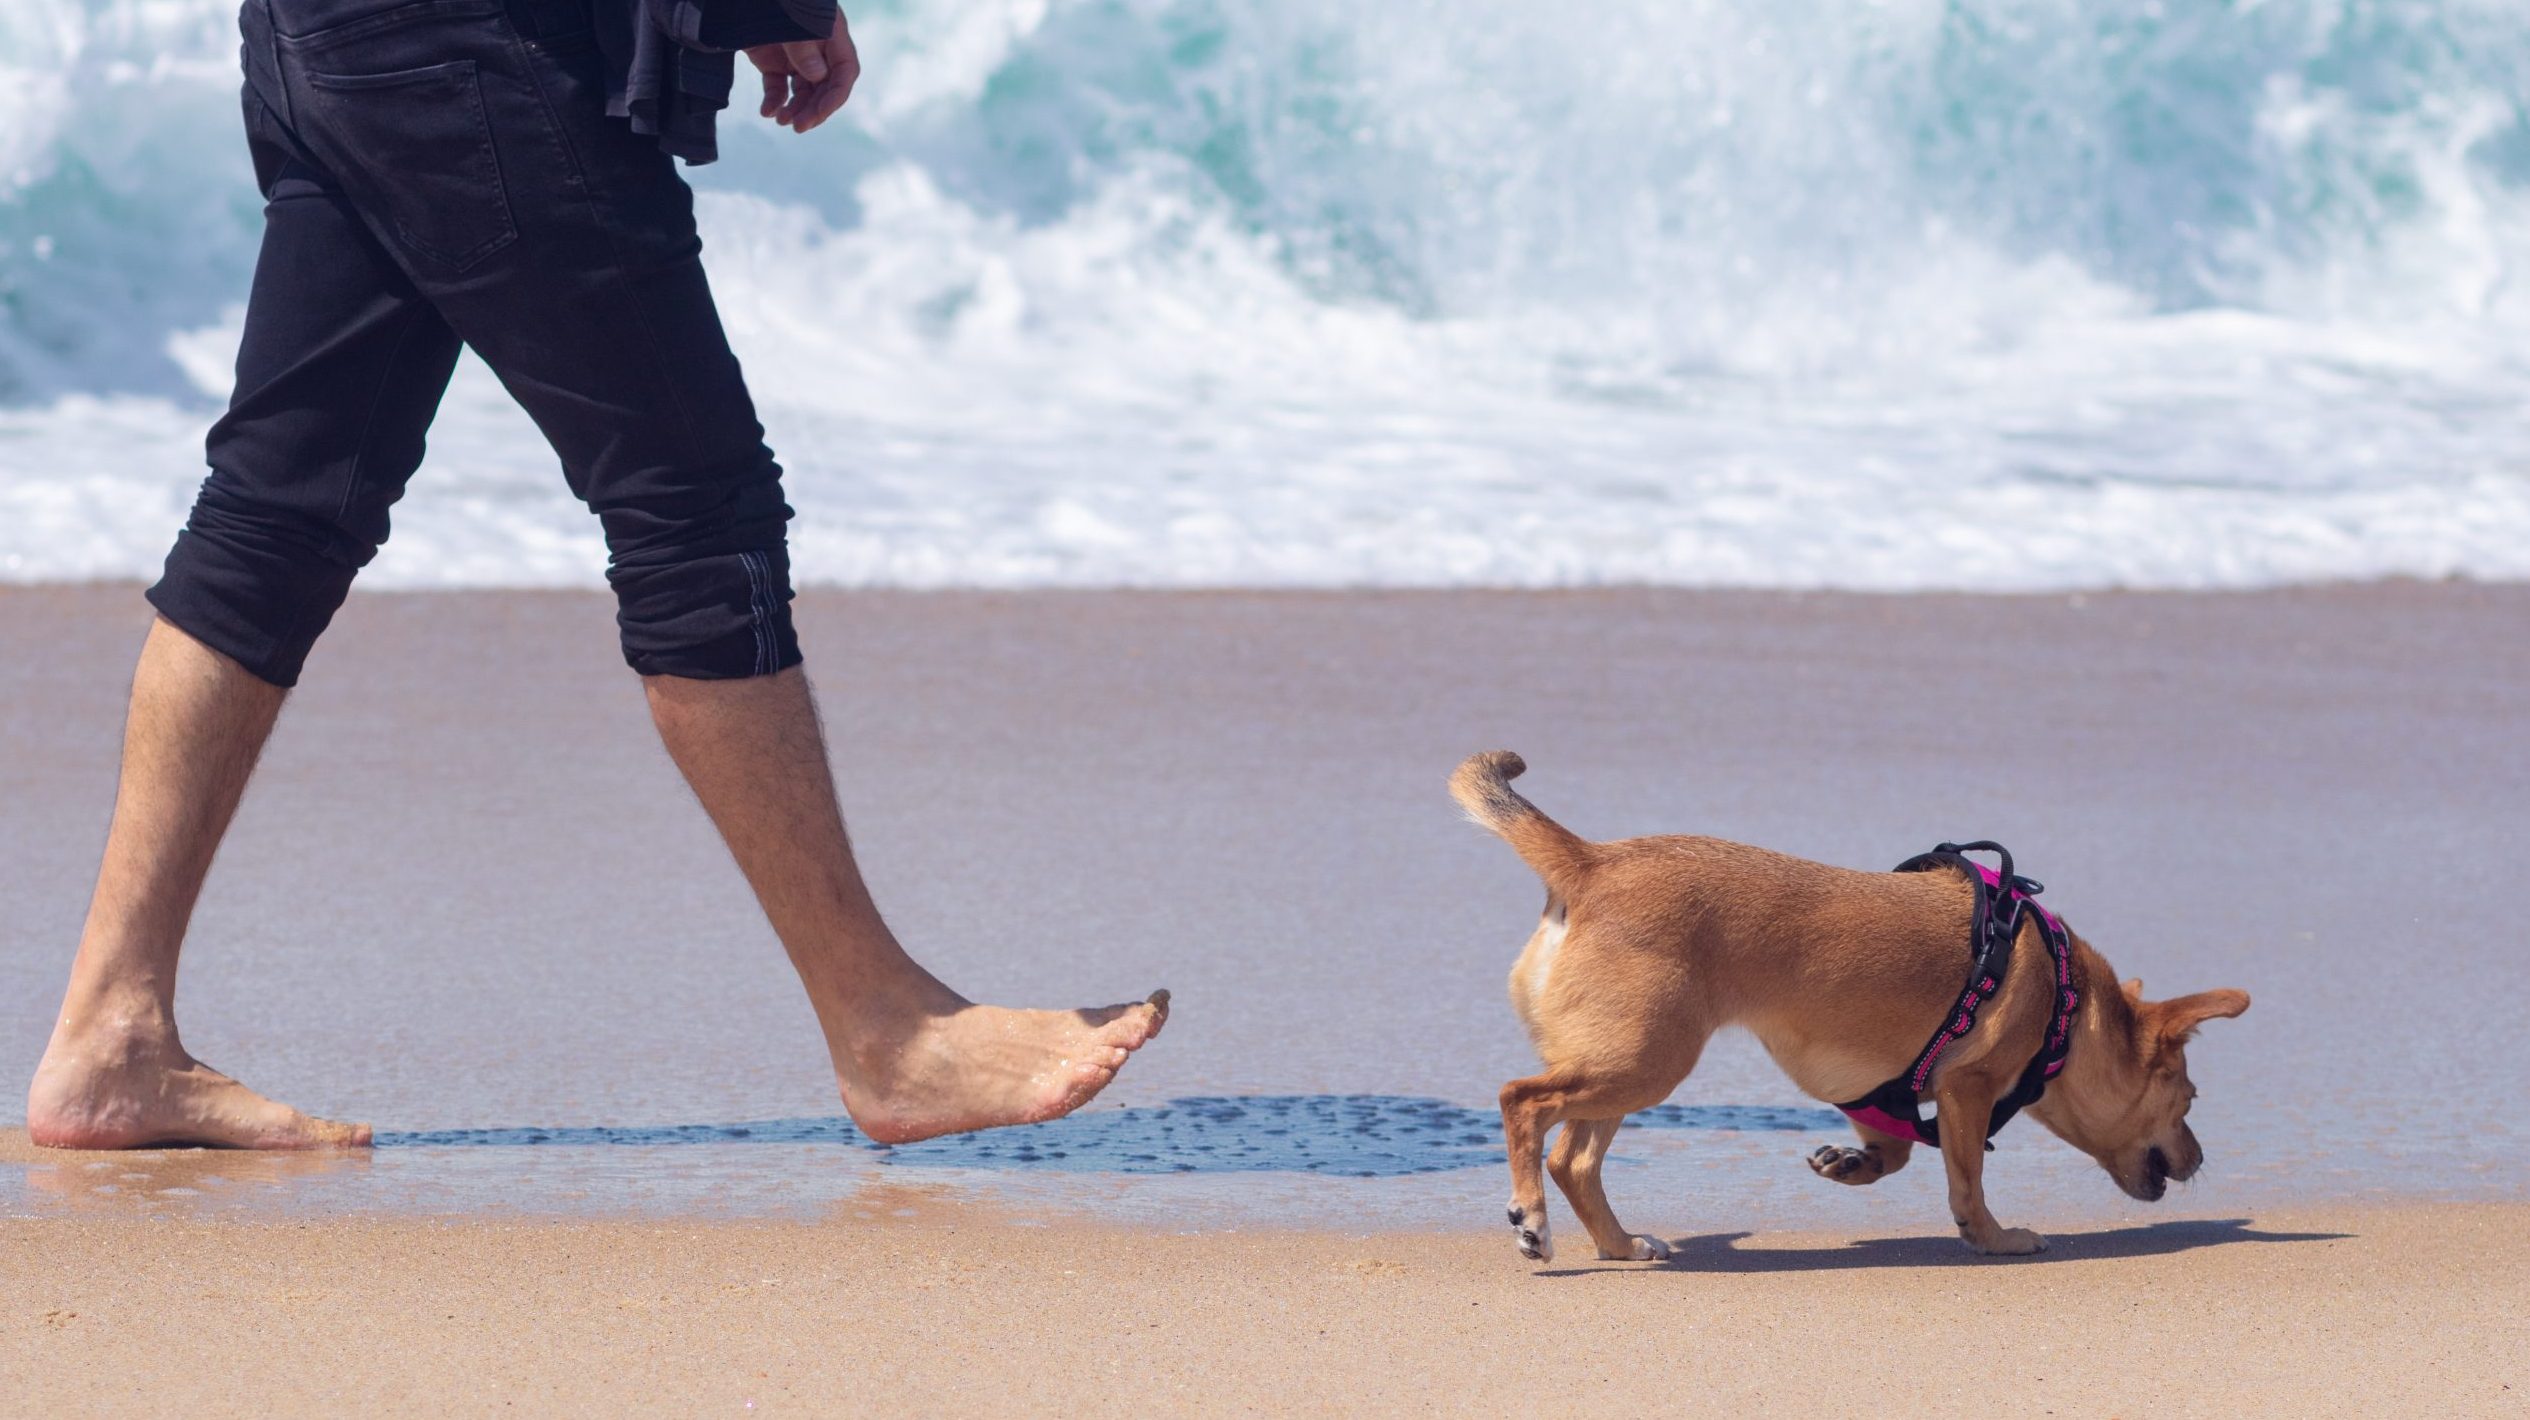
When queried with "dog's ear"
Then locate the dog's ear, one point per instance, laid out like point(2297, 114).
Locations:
point(2176, 1020)
point(2133, 987)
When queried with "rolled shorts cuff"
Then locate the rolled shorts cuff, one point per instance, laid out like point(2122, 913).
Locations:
point(262, 608)
point(720, 617)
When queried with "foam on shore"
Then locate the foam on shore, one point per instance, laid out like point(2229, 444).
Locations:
point(1313, 292)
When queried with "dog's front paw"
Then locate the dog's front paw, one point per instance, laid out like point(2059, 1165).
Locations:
point(1645, 1250)
point(1839, 1164)
point(2009, 1242)
point(1528, 1226)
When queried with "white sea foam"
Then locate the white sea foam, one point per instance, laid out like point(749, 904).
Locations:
point(1339, 292)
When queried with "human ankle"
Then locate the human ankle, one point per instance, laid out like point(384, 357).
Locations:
point(136, 1019)
point(886, 999)
point(870, 1032)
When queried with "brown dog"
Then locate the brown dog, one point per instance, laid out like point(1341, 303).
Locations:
point(1649, 945)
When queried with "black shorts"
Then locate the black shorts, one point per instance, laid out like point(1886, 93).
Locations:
point(444, 171)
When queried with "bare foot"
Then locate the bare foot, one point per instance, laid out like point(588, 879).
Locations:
point(981, 1067)
point(92, 1093)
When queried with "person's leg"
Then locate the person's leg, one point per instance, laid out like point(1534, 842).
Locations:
point(913, 1057)
point(115, 1075)
point(339, 371)
point(593, 310)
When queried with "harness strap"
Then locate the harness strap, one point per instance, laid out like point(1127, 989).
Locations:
point(1896, 1108)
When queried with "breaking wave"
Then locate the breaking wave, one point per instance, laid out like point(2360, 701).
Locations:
point(1990, 294)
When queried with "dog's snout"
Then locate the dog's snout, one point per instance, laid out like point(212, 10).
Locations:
point(2188, 1157)
point(2184, 1166)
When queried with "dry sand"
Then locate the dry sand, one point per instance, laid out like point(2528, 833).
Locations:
point(2376, 1312)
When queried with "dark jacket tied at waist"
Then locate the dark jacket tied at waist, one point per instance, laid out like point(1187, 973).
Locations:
point(670, 63)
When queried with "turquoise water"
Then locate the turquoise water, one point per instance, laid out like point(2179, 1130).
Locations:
point(1270, 292)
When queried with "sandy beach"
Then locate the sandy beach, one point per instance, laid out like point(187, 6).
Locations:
point(2414, 1311)
point(467, 900)
point(2101, 430)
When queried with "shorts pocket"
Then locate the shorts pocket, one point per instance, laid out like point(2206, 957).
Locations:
point(423, 144)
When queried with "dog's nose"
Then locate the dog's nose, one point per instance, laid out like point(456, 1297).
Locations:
point(2182, 1163)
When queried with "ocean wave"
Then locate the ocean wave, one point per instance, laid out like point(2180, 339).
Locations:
point(2005, 294)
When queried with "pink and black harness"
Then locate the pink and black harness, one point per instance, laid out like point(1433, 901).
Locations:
point(2003, 900)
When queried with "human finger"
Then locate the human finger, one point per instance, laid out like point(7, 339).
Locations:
point(831, 96)
point(808, 59)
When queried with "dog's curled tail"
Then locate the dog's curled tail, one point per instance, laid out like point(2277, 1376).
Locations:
point(1482, 787)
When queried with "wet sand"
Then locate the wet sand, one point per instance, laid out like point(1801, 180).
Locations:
point(2411, 1311)
point(468, 899)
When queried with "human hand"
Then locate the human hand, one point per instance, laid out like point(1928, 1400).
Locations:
point(807, 80)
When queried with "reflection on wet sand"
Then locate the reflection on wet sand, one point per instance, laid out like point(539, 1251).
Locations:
point(878, 1202)
point(1201, 1156)
point(183, 1178)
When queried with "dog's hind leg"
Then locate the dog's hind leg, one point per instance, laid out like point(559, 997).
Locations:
point(1530, 1107)
point(1627, 1058)
point(1880, 1156)
point(1537, 1104)
point(1579, 1152)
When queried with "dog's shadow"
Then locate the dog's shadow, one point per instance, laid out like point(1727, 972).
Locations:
point(1721, 1252)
